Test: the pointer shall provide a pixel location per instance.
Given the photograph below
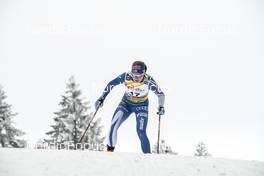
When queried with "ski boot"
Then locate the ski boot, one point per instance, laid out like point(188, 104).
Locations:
point(110, 149)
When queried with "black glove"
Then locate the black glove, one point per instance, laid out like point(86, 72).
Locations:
point(161, 111)
point(99, 103)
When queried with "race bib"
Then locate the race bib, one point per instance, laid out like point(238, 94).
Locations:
point(135, 90)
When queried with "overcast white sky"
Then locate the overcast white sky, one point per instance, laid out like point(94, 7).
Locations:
point(207, 56)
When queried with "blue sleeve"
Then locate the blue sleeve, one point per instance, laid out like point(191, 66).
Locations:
point(118, 80)
point(153, 86)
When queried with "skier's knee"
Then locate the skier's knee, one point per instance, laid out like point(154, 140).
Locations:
point(141, 134)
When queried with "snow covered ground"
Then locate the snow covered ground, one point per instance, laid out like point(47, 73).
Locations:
point(27, 162)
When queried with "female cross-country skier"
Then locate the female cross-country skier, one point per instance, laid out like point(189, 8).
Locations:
point(135, 100)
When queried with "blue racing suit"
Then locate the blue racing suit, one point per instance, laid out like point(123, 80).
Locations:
point(135, 100)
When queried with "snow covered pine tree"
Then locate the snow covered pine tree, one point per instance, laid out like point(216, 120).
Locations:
point(164, 148)
point(8, 132)
point(201, 150)
point(71, 121)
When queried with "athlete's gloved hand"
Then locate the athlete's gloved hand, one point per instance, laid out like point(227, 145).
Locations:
point(161, 111)
point(99, 103)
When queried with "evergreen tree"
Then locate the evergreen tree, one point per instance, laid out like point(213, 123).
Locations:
point(40, 144)
point(72, 119)
point(8, 133)
point(201, 150)
point(164, 148)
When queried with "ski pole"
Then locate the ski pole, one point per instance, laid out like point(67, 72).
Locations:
point(158, 137)
point(88, 125)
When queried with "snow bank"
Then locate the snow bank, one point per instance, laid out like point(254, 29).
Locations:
point(26, 162)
